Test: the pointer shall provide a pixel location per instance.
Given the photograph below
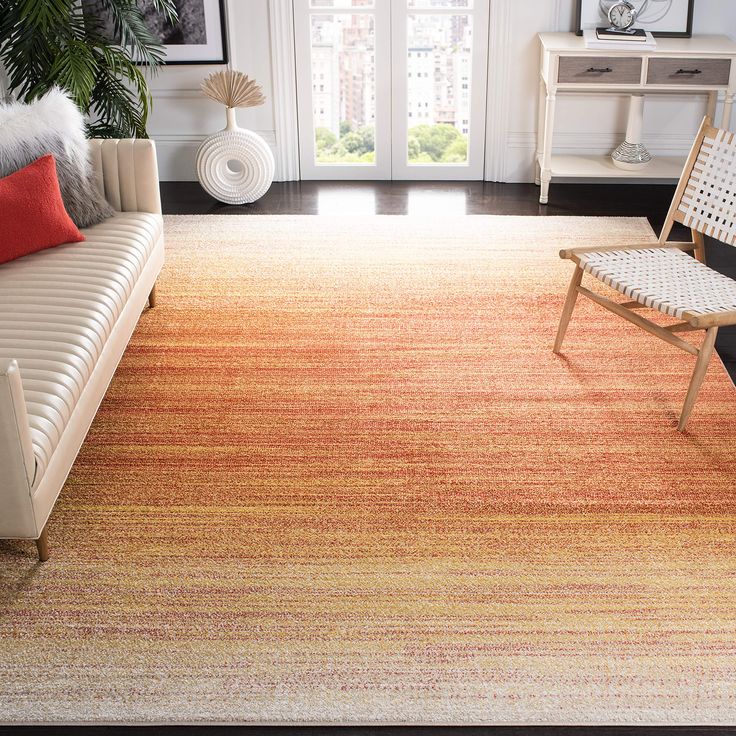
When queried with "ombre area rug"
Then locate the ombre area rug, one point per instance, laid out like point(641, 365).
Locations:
point(340, 477)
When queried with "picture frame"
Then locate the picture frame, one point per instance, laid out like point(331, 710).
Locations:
point(664, 18)
point(210, 43)
point(199, 36)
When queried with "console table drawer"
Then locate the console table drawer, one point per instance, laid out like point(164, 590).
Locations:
point(700, 72)
point(599, 70)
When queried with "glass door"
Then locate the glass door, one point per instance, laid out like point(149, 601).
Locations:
point(439, 73)
point(391, 89)
point(343, 56)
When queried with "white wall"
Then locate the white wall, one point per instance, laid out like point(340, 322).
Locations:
point(182, 117)
point(586, 123)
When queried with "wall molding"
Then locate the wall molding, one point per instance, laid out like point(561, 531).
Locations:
point(560, 24)
point(231, 36)
point(576, 142)
point(283, 86)
point(177, 153)
point(177, 93)
point(167, 138)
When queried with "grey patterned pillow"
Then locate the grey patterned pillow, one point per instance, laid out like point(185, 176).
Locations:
point(53, 124)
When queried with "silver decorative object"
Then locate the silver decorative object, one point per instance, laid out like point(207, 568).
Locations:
point(632, 154)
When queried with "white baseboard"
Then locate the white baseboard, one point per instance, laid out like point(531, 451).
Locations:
point(177, 154)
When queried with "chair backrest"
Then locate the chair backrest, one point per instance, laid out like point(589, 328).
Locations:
point(705, 200)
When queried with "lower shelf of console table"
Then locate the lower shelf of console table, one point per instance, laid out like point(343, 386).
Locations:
point(666, 168)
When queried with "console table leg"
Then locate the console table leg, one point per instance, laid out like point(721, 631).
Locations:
point(545, 179)
point(546, 162)
point(712, 102)
point(727, 108)
point(541, 112)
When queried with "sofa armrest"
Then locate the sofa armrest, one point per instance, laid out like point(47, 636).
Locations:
point(16, 456)
point(127, 173)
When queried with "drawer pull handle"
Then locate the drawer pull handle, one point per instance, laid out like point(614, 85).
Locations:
point(601, 70)
point(688, 71)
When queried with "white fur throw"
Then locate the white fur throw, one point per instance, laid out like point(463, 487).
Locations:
point(53, 124)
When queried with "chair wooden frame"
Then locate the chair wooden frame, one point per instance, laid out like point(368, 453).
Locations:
point(708, 323)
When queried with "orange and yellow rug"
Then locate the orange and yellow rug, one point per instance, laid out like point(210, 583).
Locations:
point(340, 477)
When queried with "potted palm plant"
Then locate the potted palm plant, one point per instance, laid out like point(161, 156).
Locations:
point(96, 50)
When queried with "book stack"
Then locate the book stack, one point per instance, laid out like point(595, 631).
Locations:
point(615, 39)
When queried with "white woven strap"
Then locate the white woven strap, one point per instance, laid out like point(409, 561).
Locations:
point(709, 202)
point(666, 279)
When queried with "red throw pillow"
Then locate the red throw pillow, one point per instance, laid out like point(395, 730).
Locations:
point(32, 214)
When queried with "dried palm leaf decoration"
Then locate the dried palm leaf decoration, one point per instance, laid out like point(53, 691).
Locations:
point(233, 89)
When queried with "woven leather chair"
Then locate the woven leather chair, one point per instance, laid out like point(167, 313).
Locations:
point(664, 277)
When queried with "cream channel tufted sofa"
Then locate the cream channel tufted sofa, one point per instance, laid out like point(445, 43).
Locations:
point(66, 316)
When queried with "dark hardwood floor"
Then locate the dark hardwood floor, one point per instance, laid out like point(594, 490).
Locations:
point(469, 198)
point(204, 730)
point(419, 198)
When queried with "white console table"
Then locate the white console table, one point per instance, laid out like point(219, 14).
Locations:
point(698, 65)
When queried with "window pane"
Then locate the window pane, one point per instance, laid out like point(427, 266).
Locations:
point(344, 88)
point(341, 3)
point(439, 3)
point(439, 65)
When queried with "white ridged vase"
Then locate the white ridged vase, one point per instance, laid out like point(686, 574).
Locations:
point(235, 165)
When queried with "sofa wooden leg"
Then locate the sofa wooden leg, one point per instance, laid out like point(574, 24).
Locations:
point(152, 297)
point(42, 543)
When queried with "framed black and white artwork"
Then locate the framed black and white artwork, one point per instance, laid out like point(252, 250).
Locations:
point(198, 37)
point(664, 18)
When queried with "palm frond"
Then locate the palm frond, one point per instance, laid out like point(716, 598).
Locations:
point(67, 43)
point(167, 8)
point(45, 13)
point(132, 33)
point(74, 70)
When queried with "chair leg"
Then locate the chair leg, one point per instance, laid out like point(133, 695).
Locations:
point(701, 366)
point(572, 296)
point(42, 544)
point(699, 241)
point(152, 297)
